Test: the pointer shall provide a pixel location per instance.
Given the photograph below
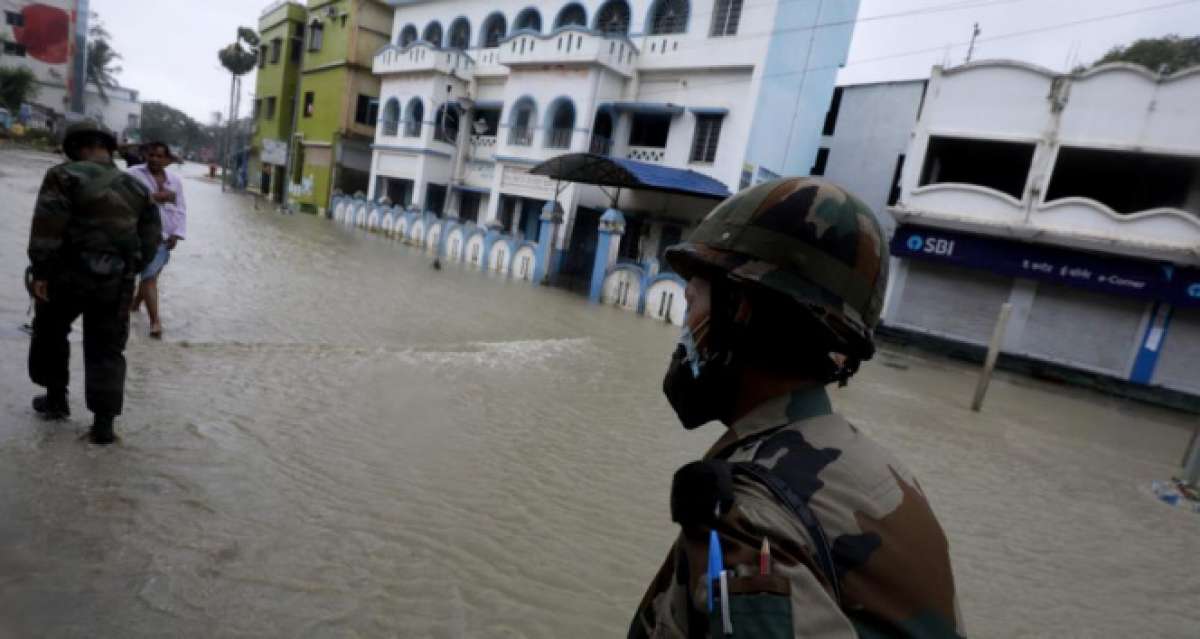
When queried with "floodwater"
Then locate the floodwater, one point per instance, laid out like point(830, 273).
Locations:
point(335, 440)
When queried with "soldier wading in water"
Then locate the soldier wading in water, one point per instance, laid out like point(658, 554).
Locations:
point(795, 523)
point(94, 228)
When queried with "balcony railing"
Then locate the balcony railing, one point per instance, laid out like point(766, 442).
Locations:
point(559, 138)
point(647, 153)
point(421, 57)
point(390, 127)
point(483, 147)
point(570, 45)
point(520, 136)
point(600, 145)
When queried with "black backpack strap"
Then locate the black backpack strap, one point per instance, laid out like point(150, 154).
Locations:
point(779, 488)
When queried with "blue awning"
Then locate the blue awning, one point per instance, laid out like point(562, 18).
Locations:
point(587, 168)
point(655, 108)
point(709, 110)
point(470, 189)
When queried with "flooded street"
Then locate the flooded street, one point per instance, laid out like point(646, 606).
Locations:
point(335, 440)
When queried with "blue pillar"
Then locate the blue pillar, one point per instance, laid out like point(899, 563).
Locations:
point(543, 268)
point(612, 227)
point(1152, 341)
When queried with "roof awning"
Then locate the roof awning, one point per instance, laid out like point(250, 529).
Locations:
point(470, 189)
point(487, 105)
point(655, 108)
point(586, 168)
point(709, 110)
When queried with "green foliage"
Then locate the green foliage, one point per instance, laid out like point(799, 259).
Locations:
point(101, 59)
point(17, 85)
point(241, 57)
point(1161, 55)
point(164, 123)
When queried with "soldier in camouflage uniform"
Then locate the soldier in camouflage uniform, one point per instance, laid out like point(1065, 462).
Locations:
point(94, 227)
point(785, 286)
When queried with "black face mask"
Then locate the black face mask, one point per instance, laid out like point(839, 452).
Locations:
point(700, 388)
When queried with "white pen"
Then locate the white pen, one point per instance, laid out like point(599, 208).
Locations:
point(726, 622)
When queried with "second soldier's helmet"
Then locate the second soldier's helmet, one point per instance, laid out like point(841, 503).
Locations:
point(79, 132)
point(805, 240)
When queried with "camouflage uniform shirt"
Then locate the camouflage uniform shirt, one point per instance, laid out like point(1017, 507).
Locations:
point(91, 218)
point(888, 549)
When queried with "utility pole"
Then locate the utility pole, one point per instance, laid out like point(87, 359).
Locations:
point(971, 49)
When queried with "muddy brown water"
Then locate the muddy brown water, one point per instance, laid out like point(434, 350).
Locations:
point(334, 440)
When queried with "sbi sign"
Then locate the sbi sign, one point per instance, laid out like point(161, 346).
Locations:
point(931, 245)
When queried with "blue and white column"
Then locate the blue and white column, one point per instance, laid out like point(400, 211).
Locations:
point(544, 268)
point(608, 244)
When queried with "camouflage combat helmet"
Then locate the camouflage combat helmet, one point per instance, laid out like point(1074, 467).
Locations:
point(86, 127)
point(806, 239)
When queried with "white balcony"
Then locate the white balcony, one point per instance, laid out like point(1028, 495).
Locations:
point(483, 148)
point(572, 45)
point(487, 63)
point(421, 57)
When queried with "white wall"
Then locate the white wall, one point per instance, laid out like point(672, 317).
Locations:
point(874, 126)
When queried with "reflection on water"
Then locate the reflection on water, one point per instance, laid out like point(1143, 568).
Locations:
point(336, 440)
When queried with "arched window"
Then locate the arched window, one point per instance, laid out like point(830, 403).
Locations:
point(391, 117)
point(408, 35)
point(414, 113)
point(460, 34)
point(521, 122)
point(445, 124)
point(561, 121)
point(613, 18)
point(668, 16)
point(725, 18)
point(528, 20)
point(433, 33)
point(571, 15)
point(494, 29)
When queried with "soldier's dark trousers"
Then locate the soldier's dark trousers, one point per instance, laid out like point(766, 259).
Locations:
point(105, 311)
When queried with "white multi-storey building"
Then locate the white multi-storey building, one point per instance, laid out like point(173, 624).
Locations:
point(1075, 198)
point(722, 93)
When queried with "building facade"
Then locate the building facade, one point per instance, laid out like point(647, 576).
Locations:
point(48, 37)
point(475, 94)
point(1075, 198)
point(121, 112)
point(338, 108)
point(281, 29)
point(865, 137)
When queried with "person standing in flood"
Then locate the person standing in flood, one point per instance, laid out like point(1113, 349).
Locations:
point(795, 523)
point(166, 189)
point(94, 228)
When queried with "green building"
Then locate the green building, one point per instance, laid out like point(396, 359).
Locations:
point(339, 100)
point(281, 30)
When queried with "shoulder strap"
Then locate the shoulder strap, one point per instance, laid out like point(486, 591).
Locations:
point(786, 496)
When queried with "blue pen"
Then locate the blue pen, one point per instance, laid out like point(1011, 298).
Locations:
point(715, 564)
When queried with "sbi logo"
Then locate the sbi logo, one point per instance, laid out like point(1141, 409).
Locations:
point(1194, 290)
point(931, 245)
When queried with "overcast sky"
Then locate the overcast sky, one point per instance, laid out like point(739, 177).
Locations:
point(170, 46)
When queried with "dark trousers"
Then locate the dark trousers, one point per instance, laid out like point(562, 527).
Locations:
point(104, 306)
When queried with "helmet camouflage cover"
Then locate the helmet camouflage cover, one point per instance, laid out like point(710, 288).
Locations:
point(806, 239)
point(85, 127)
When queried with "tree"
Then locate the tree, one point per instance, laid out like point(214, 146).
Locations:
point(17, 86)
point(1162, 55)
point(101, 59)
point(163, 123)
point(239, 59)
